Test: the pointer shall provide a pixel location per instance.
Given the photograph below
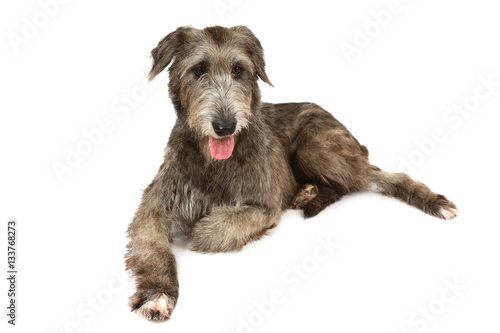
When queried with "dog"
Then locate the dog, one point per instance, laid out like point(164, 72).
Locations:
point(233, 164)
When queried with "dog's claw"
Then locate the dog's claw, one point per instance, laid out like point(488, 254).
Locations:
point(136, 306)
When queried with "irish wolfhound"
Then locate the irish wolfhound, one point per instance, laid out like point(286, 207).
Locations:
point(233, 164)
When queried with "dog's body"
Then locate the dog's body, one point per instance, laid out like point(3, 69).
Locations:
point(233, 164)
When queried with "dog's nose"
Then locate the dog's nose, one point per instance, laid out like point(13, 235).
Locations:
point(224, 127)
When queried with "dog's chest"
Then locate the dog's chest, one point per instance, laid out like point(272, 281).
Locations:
point(223, 183)
point(234, 182)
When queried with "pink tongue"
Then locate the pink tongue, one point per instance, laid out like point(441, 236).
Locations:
point(221, 149)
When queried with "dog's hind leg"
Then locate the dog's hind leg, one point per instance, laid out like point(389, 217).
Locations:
point(327, 155)
point(229, 228)
point(417, 194)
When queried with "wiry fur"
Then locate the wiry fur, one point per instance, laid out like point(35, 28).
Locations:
point(293, 154)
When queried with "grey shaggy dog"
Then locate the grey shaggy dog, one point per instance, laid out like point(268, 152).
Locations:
point(233, 164)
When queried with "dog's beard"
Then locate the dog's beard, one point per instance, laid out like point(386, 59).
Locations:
point(221, 149)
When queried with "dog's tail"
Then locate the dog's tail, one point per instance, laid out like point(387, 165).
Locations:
point(401, 186)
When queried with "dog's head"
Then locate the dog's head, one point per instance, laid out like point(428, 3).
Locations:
point(213, 81)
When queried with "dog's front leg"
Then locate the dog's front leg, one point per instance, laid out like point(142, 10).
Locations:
point(229, 228)
point(152, 263)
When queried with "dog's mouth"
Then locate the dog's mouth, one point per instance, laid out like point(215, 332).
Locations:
point(222, 148)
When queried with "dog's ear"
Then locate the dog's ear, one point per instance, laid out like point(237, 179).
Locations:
point(166, 50)
point(256, 52)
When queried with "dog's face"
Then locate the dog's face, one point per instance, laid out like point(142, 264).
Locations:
point(213, 81)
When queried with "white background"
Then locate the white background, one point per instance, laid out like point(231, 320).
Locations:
point(393, 260)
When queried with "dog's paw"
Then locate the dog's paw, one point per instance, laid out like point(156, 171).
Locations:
point(305, 194)
point(157, 307)
point(448, 213)
point(442, 208)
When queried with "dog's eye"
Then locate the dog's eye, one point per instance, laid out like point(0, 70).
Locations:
point(200, 70)
point(236, 70)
